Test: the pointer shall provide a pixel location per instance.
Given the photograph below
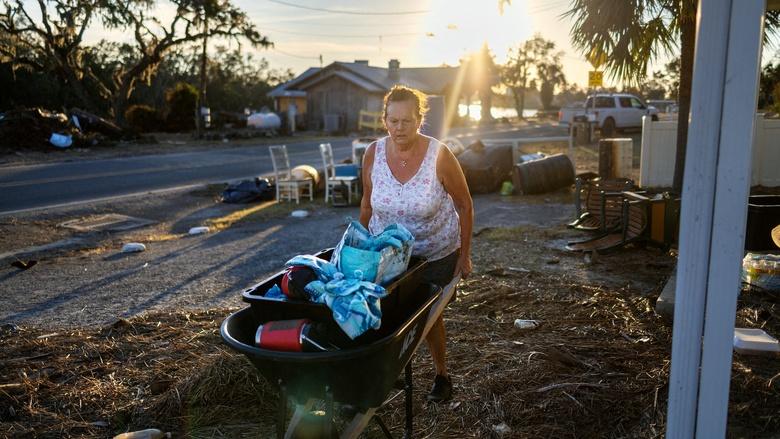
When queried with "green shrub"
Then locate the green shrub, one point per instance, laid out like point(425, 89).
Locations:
point(143, 118)
point(181, 101)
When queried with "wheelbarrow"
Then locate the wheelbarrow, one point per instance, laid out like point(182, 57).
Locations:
point(360, 375)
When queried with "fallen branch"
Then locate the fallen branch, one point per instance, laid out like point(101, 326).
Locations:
point(559, 385)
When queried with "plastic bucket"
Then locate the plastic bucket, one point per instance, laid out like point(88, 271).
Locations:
point(763, 216)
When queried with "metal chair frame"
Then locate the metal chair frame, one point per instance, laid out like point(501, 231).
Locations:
point(287, 187)
point(331, 179)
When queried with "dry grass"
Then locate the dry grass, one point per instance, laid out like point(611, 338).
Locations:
point(597, 366)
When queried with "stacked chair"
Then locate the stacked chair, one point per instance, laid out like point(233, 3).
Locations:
point(610, 208)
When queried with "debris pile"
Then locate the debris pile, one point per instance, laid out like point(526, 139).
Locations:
point(38, 128)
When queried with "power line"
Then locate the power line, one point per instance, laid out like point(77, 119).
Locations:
point(294, 55)
point(335, 11)
point(308, 34)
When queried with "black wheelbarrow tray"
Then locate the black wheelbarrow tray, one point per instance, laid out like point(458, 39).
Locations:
point(362, 374)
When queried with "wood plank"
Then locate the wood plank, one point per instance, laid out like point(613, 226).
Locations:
point(358, 424)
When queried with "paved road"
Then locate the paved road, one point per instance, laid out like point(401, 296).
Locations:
point(47, 185)
point(28, 187)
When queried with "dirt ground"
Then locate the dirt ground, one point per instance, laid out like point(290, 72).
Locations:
point(597, 366)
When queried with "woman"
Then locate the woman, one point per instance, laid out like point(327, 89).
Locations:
point(414, 180)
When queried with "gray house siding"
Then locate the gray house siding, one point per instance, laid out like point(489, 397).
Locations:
point(338, 96)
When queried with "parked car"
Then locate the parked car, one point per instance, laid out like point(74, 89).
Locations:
point(610, 112)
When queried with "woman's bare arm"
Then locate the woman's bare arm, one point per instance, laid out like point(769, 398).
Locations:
point(365, 202)
point(451, 175)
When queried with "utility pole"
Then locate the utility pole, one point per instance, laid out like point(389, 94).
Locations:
point(199, 116)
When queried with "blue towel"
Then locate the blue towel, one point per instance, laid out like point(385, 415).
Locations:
point(354, 302)
point(377, 258)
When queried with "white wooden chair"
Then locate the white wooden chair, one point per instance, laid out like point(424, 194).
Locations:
point(331, 179)
point(287, 187)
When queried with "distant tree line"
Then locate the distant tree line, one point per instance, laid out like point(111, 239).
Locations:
point(45, 62)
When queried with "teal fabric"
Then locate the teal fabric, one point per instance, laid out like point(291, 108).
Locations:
point(377, 258)
point(355, 303)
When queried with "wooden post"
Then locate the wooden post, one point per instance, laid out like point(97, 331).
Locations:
point(717, 170)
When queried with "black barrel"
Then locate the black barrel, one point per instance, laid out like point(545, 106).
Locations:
point(543, 175)
point(763, 215)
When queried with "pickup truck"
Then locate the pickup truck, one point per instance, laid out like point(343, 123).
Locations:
point(610, 112)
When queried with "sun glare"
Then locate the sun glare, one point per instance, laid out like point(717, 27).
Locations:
point(460, 27)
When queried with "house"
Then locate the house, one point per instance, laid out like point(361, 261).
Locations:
point(335, 94)
point(286, 94)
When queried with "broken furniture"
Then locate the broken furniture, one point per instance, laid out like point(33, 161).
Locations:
point(598, 202)
point(633, 223)
point(287, 187)
point(345, 176)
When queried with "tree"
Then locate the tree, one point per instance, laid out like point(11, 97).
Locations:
point(55, 41)
point(480, 75)
point(51, 44)
point(486, 76)
point(770, 79)
point(237, 80)
point(550, 74)
point(533, 61)
point(632, 34)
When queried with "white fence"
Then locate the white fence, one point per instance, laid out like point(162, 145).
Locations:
point(659, 141)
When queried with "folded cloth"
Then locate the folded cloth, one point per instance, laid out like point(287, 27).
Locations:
point(354, 302)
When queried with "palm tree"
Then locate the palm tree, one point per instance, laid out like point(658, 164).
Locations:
point(633, 33)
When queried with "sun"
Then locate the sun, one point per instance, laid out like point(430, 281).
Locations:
point(460, 27)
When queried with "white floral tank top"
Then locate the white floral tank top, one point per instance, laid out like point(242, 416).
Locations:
point(422, 205)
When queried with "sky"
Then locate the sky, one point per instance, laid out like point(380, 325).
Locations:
point(432, 33)
point(419, 33)
point(428, 33)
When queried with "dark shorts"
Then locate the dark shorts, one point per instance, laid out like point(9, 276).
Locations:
point(441, 271)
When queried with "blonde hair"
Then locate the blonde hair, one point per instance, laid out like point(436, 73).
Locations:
point(400, 93)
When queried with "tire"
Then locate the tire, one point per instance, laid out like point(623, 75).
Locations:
point(654, 118)
point(608, 128)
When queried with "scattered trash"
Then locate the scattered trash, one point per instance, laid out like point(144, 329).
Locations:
point(103, 424)
point(120, 323)
point(246, 191)
point(9, 328)
point(761, 271)
point(750, 341)
point(507, 188)
point(591, 257)
point(299, 213)
point(61, 140)
point(454, 405)
point(149, 433)
point(518, 269)
point(36, 128)
point(132, 247)
point(91, 122)
point(22, 265)
point(502, 429)
point(553, 261)
point(526, 324)
point(199, 230)
point(531, 157)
